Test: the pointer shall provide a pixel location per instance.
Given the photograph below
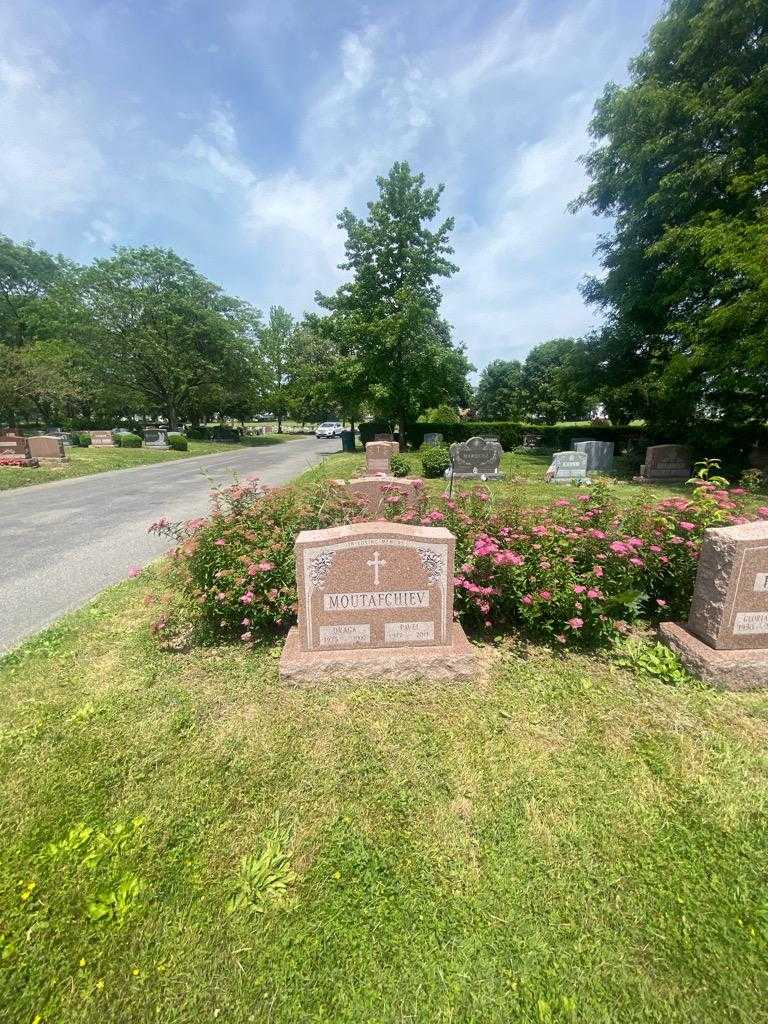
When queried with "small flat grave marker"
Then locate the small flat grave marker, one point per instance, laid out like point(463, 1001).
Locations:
point(725, 640)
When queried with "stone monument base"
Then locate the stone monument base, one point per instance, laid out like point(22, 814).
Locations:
point(730, 670)
point(485, 478)
point(454, 661)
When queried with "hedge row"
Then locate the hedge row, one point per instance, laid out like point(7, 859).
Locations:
point(509, 434)
point(709, 439)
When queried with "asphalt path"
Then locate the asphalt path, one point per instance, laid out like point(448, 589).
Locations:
point(61, 543)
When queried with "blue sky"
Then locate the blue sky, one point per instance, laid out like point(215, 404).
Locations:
point(233, 131)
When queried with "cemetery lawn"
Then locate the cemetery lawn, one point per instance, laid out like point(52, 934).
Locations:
point(87, 461)
point(560, 841)
point(524, 478)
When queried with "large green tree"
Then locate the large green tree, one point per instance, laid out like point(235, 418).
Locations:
point(158, 333)
point(278, 361)
point(557, 381)
point(26, 275)
point(681, 164)
point(500, 391)
point(388, 313)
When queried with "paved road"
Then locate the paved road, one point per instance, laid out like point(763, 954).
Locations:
point(63, 542)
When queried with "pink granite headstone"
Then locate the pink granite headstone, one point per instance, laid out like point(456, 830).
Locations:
point(726, 637)
point(668, 463)
point(47, 449)
point(378, 456)
point(102, 439)
point(375, 599)
point(375, 492)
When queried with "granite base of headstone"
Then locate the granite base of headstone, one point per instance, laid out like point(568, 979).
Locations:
point(376, 602)
point(568, 467)
point(599, 455)
point(725, 641)
point(478, 458)
point(665, 464)
point(47, 450)
point(378, 456)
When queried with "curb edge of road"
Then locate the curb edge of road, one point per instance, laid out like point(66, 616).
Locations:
point(137, 469)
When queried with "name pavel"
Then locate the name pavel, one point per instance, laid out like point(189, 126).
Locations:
point(380, 599)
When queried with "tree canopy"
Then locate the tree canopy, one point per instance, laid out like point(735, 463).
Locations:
point(681, 164)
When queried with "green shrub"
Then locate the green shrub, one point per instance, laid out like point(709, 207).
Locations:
point(399, 465)
point(127, 440)
point(435, 460)
point(178, 442)
point(576, 573)
point(83, 440)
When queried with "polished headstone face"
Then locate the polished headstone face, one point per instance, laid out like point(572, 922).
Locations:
point(477, 456)
point(599, 455)
point(667, 462)
point(102, 438)
point(567, 466)
point(47, 449)
point(383, 437)
point(729, 610)
point(156, 436)
point(378, 455)
point(432, 439)
point(374, 585)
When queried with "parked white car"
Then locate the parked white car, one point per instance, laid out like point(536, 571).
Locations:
point(331, 428)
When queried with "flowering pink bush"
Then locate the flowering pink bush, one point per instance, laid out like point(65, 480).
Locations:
point(18, 460)
point(575, 572)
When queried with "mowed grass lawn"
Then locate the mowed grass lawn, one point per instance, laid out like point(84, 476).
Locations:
point(557, 841)
point(524, 478)
point(87, 461)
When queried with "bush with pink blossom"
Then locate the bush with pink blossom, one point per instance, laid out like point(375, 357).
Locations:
point(575, 572)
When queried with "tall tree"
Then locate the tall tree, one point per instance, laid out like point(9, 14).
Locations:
point(681, 164)
point(277, 360)
point(390, 308)
point(26, 275)
point(557, 382)
point(500, 391)
point(158, 332)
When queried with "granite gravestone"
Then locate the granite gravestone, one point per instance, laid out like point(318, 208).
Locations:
point(725, 640)
point(14, 444)
point(378, 455)
point(383, 437)
point(567, 467)
point(102, 439)
point(758, 459)
point(431, 440)
point(156, 437)
point(375, 600)
point(533, 440)
point(48, 450)
point(666, 463)
point(66, 439)
point(477, 458)
point(375, 492)
point(599, 455)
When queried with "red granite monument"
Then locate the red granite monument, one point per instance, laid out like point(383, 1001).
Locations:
point(375, 601)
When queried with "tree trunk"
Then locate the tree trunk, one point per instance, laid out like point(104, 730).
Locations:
point(279, 424)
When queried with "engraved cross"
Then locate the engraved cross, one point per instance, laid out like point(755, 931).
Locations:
point(376, 563)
